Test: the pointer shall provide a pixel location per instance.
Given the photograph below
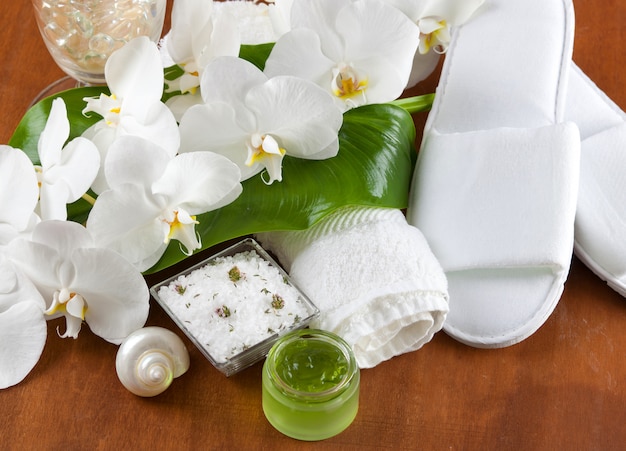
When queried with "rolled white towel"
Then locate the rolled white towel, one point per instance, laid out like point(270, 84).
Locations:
point(373, 277)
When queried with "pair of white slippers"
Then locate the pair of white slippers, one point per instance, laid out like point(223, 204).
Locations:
point(503, 189)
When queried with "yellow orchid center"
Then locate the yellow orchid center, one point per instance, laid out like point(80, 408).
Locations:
point(109, 107)
point(265, 151)
point(39, 173)
point(262, 147)
point(435, 35)
point(71, 305)
point(347, 82)
point(190, 81)
point(180, 225)
point(180, 220)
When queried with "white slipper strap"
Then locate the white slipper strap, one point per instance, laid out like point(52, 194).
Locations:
point(601, 207)
point(500, 198)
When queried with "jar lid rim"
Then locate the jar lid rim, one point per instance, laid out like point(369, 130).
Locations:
point(317, 334)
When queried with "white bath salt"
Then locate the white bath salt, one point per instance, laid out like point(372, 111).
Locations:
point(233, 303)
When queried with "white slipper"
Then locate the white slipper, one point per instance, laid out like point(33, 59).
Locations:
point(495, 186)
point(600, 229)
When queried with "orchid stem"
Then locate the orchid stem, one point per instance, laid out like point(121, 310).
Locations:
point(89, 199)
point(416, 104)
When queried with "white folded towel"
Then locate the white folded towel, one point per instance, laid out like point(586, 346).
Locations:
point(373, 277)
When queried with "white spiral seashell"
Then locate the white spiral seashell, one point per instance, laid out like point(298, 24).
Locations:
point(149, 359)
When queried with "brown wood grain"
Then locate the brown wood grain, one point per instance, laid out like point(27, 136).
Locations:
point(563, 388)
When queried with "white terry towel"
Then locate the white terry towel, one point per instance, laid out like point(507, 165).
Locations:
point(373, 277)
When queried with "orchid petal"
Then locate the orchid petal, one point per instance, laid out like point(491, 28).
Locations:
point(214, 127)
point(54, 134)
point(68, 179)
point(364, 32)
point(53, 201)
point(78, 279)
point(187, 16)
point(272, 159)
point(132, 159)
point(23, 332)
point(65, 173)
point(429, 24)
point(38, 263)
point(300, 113)
point(15, 286)
point(72, 327)
point(135, 75)
point(219, 84)
point(62, 236)
point(76, 306)
point(199, 182)
point(225, 39)
point(248, 111)
point(77, 167)
point(453, 11)
point(58, 239)
point(116, 294)
point(46, 260)
point(125, 220)
point(158, 125)
point(322, 16)
point(179, 105)
point(8, 279)
point(373, 28)
point(18, 189)
point(187, 83)
point(385, 81)
point(183, 230)
point(280, 16)
point(102, 136)
point(299, 53)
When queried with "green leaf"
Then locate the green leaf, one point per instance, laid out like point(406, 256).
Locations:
point(173, 72)
point(256, 54)
point(373, 168)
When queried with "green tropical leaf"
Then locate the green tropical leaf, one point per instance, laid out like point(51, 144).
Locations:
point(256, 54)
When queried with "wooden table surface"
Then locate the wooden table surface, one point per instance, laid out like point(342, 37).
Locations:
point(562, 388)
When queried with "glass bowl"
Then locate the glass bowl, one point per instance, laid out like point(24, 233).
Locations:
point(82, 34)
point(235, 305)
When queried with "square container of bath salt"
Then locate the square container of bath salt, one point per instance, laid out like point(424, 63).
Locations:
point(234, 305)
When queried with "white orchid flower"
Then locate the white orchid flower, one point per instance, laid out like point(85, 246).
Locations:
point(197, 36)
point(435, 19)
point(155, 198)
point(253, 17)
point(360, 51)
point(134, 75)
point(280, 16)
point(65, 173)
point(81, 281)
point(18, 194)
point(256, 121)
point(23, 327)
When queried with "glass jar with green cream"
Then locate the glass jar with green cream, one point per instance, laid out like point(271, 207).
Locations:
point(310, 385)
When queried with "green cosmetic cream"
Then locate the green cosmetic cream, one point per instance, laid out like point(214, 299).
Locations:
point(310, 385)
